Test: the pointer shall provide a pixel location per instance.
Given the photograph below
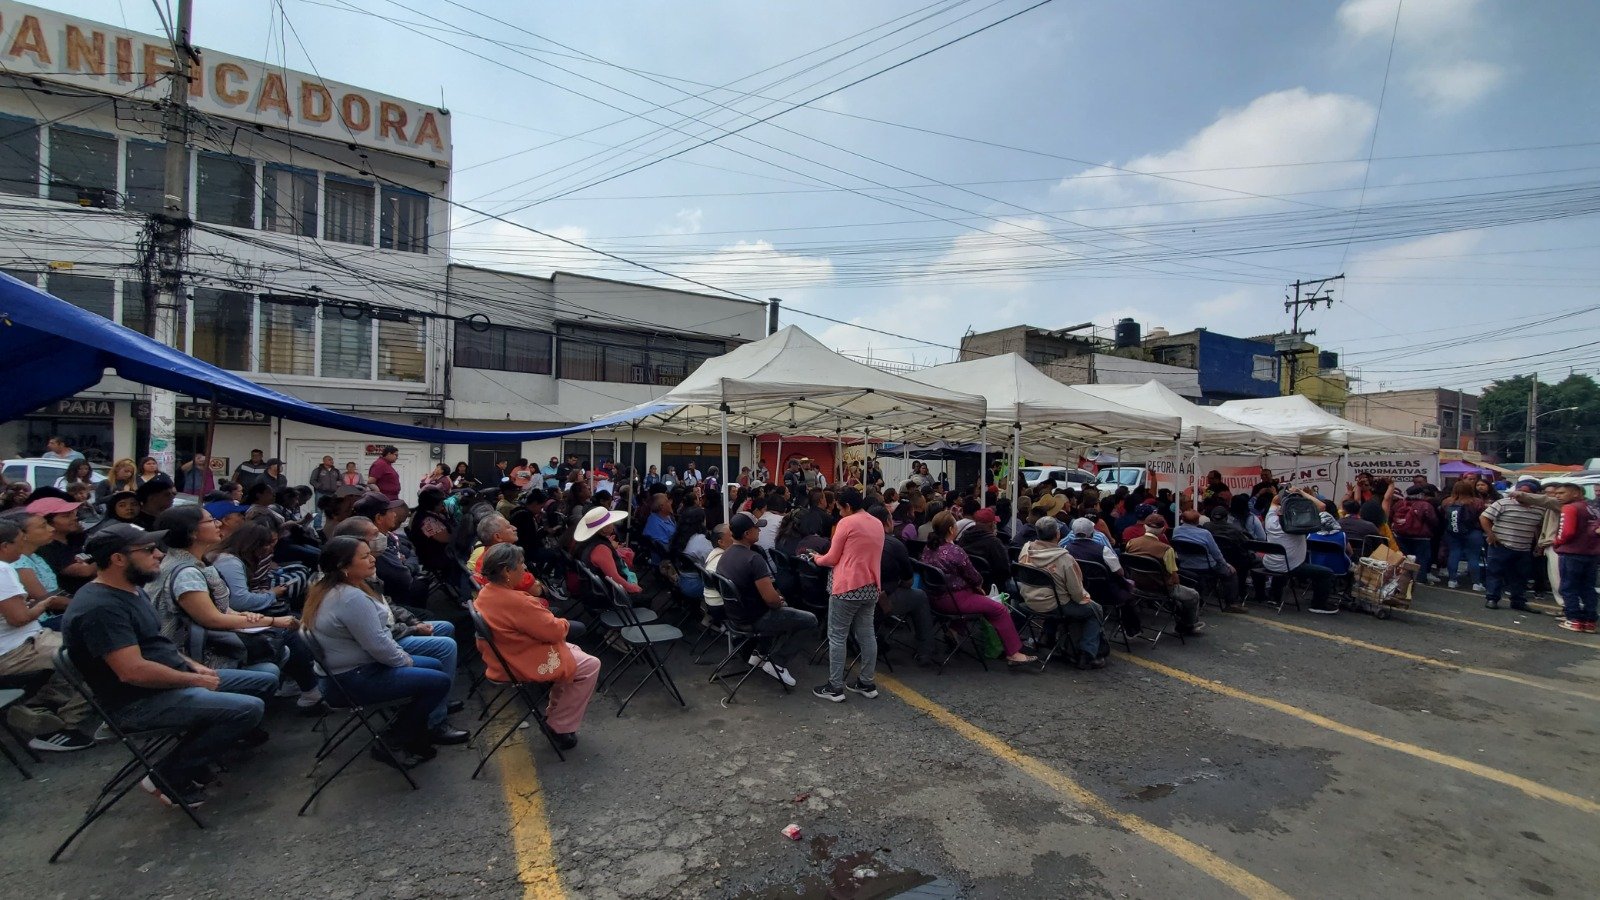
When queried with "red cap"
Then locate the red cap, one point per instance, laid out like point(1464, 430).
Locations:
point(50, 506)
point(985, 516)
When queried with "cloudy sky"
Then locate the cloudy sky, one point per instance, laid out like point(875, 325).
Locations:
point(1173, 161)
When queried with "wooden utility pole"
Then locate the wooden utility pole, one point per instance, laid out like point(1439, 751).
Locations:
point(1313, 294)
point(1530, 453)
point(171, 237)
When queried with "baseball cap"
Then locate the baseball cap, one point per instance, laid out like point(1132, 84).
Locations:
point(985, 516)
point(221, 509)
point(1528, 479)
point(1083, 526)
point(1155, 521)
point(49, 506)
point(740, 524)
point(155, 485)
point(375, 504)
point(350, 490)
point(120, 538)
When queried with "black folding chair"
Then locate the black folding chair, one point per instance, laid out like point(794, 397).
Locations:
point(511, 689)
point(915, 547)
point(1098, 581)
point(742, 639)
point(1162, 603)
point(1037, 622)
point(358, 718)
point(1262, 578)
point(149, 748)
point(716, 619)
point(1198, 574)
point(9, 696)
point(957, 627)
point(643, 640)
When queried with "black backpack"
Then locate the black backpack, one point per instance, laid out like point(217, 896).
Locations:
point(1298, 514)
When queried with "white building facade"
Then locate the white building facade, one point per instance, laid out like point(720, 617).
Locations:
point(318, 263)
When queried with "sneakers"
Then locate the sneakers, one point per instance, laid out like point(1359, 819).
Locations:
point(778, 672)
point(1525, 609)
point(1570, 625)
point(64, 741)
point(104, 734)
point(1452, 584)
point(1477, 589)
point(1491, 604)
point(287, 689)
point(1589, 628)
point(308, 699)
point(1324, 610)
point(828, 692)
point(192, 795)
point(865, 688)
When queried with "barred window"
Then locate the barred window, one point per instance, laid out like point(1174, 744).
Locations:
point(346, 343)
point(402, 350)
point(82, 291)
point(19, 156)
point(288, 336)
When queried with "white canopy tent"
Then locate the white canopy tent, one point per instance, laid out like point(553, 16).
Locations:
point(789, 383)
point(1317, 429)
point(1044, 413)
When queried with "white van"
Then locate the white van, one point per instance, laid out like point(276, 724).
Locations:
point(1065, 476)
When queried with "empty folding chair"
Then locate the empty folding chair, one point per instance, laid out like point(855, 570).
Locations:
point(645, 642)
point(513, 688)
point(958, 627)
point(368, 719)
point(8, 697)
point(148, 749)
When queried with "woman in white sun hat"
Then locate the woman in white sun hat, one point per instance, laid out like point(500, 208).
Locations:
point(596, 537)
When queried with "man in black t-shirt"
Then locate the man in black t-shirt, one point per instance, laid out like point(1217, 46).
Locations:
point(898, 597)
point(140, 677)
point(758, 601)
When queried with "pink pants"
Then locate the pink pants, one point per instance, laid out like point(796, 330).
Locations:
point(569, 699)
point(974, 604)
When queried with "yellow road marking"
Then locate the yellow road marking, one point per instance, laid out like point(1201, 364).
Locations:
point(530, 830)
point(1227, 873)
point(1425, 660)
point(1535, 604)
point(1527, 786)
point(1587, 645)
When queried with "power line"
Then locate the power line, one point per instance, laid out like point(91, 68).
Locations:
point(1377, 119)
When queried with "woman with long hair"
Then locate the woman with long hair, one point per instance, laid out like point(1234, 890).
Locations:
point(148, 470)
point(344, 617)
point(1240, 512)
point(431, 533)
point(965, 596)
point(78, 472)
point(534, 641)
point(462, 478)
point(597, 547)
point(1463, 533)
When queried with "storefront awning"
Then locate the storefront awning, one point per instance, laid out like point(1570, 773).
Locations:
point(50, 349)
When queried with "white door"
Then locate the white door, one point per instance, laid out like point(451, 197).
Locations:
point(302, 455)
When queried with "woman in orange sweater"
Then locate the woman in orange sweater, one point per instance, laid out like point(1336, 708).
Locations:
point(534, 642)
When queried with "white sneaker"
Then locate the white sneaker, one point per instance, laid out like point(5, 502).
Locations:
point(1477, 588)
point(104, 734)
point(287, 689)
point(754, 660)
point(1452, 585)
point(778, 672)
point(308, 699)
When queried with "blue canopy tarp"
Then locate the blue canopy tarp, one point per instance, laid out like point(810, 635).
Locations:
point(50, 350)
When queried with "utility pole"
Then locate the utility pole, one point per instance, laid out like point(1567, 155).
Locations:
point(772, 315)
point(1530, 453)
point(171, 238)
point(1314, 292)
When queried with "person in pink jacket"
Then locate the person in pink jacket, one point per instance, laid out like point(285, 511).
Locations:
point(856, 557)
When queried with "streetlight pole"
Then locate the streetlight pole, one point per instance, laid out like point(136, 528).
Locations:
point(1531, 452)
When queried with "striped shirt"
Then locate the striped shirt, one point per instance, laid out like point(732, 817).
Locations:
point(1515, 525)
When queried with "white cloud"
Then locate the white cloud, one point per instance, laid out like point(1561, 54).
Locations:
point(757, 265)
point(1451, 86)
point(1254, 149)
point(1416, 258)
point(688, 221)
point(1421, 21)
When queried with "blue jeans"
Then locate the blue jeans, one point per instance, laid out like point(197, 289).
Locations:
point(1578, 572)
point(440, 648)
point(1467, 547)
point(1508, 571)
point(421, 682)
point(213, 720)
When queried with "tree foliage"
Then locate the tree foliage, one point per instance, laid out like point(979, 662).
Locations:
point(1569, 436)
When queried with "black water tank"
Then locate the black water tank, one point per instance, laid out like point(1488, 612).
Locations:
point(1127, 333)
point(1327, 360)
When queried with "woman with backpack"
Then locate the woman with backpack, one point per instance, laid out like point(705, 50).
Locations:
point(1463, 534)
point(1414, 521)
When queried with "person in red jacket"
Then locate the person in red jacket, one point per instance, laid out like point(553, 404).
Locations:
point(1577, 547)
point(534, 642)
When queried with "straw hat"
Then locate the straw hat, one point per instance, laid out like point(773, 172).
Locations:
point(596, 519)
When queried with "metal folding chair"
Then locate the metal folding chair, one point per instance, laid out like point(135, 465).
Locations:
point(956, 626)
point(643, 640)
point(148, 749)
point(1036, 622)
point(1097, 580)
point(513, 688)
point(1200, 577)
point(358, 718)
point(1162, 603)
point(1262, 578)
point(8, 697)
point(742, 639)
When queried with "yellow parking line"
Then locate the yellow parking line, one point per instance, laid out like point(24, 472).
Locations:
point(530, 830)
point(1587, 645)
point(1425, 660)
point(1527, 786)
point(1227, 873)
point(1533, 603)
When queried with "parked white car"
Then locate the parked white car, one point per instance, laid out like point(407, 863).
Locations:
point(1033, 476)
point(42, 472)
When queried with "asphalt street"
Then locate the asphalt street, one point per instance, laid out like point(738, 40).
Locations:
point(1447, 752)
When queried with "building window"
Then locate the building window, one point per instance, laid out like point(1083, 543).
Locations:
point(144, 179)
point(503, 349)
point(1264, 368)
point(704, 456)
point(222, 328)
point(24, 277)
point(289, 201)
point(226, 191)
point(93, 294)
point(346, 343)
point(1447, 419)
point(627, 357)
point(19, 156)
point(348, 211)
point(604, 451)
point(288, 336)
point(133, 313)
point(1466, 421)
point(404, 223)
point(402, 354)
point(83, 168)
